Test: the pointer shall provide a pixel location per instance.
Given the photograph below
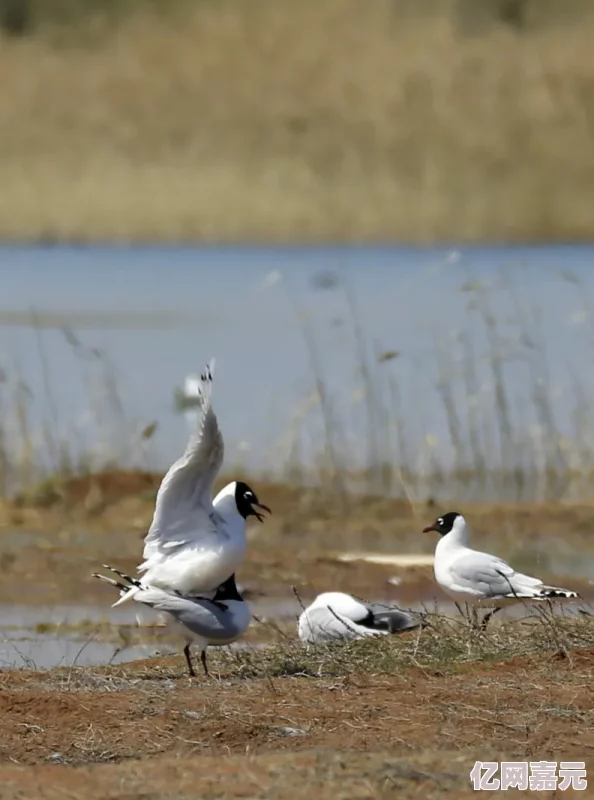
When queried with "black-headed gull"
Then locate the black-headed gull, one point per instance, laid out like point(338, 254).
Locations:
point(201, 621)
point(194, 543)
point(470, 576)
point(335, 616)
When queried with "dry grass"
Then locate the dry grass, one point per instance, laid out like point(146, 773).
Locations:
point(442, 642)
point(346, 723)
point(508, 423)
point(270, 120)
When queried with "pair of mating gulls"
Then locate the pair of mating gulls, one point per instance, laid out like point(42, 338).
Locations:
point(195, 544)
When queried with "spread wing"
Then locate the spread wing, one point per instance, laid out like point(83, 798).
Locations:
point(183, 509)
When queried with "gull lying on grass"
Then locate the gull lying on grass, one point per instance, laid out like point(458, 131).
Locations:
point(216, 622)
point(334, 616)
point(470, 576)
point(194, 543)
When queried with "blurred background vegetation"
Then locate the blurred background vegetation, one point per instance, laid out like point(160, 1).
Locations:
point(269, 120)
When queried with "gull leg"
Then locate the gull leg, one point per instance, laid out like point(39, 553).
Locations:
point(203, 659)
point(487, 617)
point(189, 661)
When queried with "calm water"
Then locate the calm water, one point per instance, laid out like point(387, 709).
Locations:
point(155, 314)
point(26, 642)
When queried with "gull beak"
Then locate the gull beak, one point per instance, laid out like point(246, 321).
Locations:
point(262, 507)
point(430, 528)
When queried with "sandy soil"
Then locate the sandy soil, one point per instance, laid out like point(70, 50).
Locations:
point(146, 730)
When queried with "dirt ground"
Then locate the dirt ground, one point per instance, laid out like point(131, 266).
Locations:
point(146, 730)
point(407, 728)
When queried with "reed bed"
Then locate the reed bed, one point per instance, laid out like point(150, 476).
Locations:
point(506, 428)
point(274, 121)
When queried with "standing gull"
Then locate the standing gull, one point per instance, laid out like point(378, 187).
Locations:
point(334, 616)
point(216, 622)
point(194, 543)
point(470, 576)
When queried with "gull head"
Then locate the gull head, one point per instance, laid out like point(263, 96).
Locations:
point(247, 503)
point(228, 591)
point(444, 524)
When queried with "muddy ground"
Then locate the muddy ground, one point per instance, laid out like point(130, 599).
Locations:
point(146, 730)
point(288, 724)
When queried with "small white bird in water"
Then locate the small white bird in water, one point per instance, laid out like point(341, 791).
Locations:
point(470, 576)
point(335, 616)
point(216, 622)
point(194, 543)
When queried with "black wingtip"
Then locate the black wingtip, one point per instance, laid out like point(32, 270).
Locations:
point(560, 593)
point(124, 575)
point(206, 374)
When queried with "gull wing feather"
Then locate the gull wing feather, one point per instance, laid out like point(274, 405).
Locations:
point(183, 508)
point(491, 576)
point(389, 618)
point(321, 625)
point(199, 615)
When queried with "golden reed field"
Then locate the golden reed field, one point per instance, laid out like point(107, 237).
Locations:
point(272, 120)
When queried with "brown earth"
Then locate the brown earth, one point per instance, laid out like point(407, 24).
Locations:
point(146, 730)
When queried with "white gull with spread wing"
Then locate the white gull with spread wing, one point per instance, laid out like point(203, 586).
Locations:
point(194, 543)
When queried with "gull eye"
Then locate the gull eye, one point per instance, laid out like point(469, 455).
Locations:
point(440, 521)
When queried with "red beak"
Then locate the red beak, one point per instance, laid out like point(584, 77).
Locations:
point(263, 507)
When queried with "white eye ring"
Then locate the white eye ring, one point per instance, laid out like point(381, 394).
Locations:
point(440, 521)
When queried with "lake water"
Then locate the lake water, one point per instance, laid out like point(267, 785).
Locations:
point(142, 318)
point(43, 638)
